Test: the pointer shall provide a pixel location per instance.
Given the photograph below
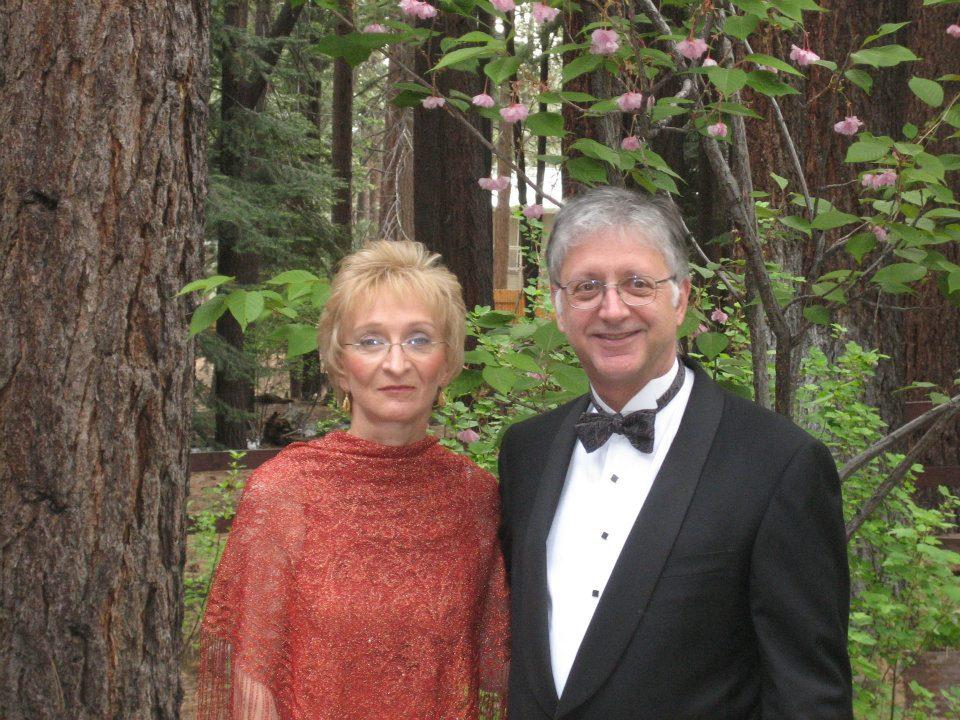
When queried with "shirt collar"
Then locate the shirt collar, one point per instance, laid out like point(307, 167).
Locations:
point(646, 398)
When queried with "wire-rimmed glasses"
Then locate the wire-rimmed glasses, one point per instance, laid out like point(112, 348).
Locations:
point(635, 291)
point(374, 346)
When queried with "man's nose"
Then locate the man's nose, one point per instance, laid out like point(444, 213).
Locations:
point(612, 305)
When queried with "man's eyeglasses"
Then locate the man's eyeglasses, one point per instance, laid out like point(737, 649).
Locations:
point(373, 346)
point(636, 290)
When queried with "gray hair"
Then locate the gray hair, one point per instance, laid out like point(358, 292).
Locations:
point(654, 218)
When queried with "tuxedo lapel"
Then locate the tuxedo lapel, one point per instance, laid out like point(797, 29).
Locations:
point(534, 599)
point(638, 568)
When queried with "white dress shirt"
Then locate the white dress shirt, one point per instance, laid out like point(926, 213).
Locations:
point(602, 496)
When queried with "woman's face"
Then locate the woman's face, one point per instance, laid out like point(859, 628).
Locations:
point(392, 387)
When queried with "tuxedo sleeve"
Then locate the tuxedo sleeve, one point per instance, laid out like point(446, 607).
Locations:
point(505, 473)
point(800, 593)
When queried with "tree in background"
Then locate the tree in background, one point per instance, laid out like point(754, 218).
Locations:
point(103, 113)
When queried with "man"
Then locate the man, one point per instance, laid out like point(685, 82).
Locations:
point(697, 574)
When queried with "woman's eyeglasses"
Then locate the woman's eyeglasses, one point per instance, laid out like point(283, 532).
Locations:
point(374, 346)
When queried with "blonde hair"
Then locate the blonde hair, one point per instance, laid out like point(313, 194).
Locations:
point(402, 268)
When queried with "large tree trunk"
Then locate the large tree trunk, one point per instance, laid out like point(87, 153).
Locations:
point(102, 178)
point(395, 218)
point(452, 215)
point(341, 140)
point(233, 374)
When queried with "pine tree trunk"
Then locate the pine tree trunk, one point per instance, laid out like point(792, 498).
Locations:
point(341, 140)
point(103, 109)
point(395, 204)
point(453, 215)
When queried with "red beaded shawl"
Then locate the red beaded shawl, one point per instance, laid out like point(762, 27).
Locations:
point(359, 581)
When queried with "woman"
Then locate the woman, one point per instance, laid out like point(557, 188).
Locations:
point(362, 577)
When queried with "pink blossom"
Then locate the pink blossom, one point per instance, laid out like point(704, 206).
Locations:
point(803, 56)
point(544, 13)
point(483, 100)
point(850, 125)
point(719, 316)
point(879, 180)
point(433, 102)
point(692, 48)
point(604, 42)
point(630, 101)
point(514, 112)
point(954, 31)
point(375, 28)
point(494, 184)
point(468, 436)
point(417, 8)
point(718, 129)
point(701, 329)
point(536, 376)
point(630, 142)
point(504, 5)
point(533, 212)
point(879, 232)
point(709, 62)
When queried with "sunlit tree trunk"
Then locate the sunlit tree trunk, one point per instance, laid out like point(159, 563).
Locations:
point(103, 110)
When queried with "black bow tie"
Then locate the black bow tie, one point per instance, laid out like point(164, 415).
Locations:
point(595, 428)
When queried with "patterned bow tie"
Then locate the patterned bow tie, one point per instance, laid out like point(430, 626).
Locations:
point(595, 428)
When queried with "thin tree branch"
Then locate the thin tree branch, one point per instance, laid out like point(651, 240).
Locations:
point(883, 444)
point(901, 470)
point(254, 90)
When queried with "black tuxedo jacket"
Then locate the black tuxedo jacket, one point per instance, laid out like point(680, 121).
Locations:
point(730, 598)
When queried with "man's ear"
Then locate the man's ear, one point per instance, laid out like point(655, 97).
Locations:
point(684, 289)
point(556, 295)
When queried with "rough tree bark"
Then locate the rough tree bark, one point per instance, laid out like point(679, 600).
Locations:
point(103, 109)
point(395, 218)
point(452, 215)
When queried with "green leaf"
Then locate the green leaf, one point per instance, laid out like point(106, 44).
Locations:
point(591, 148)
point(734, 108)
point(773, 62)
point(301, 338)
point(570, 378)
point(886, 56)
point(587, 170)
point(205, 284)
point(833, 219)
point(781, 181)
point(866, 150)
point(207, 314)
point(755, 7)
point(928, 91)
point(495, 319)
point(796, 222)
point(464, 384)
point(766, 83)
point(712, 344)
point(860, 78)
point(910, 131)
point(463, 55)
point(479, 357)
point(522, 361)
point(580, 65)
point(292, 276)
point(353, 47)
point(501, 68)
point(885, 29)
point(548, 337)
point(953, 282)
point(245, 306)
point(727, 80)
point(500, 379)
point(740, 26)
point(549, 124)
point(817, 314)
point(894, 278)
point(860, 244)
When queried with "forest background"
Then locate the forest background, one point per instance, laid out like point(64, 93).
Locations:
point(166, 166)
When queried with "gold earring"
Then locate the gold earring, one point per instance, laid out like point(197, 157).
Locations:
point(345, 404)
point(441, 399)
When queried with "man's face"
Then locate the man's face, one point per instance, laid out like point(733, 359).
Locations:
point(621, 347)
